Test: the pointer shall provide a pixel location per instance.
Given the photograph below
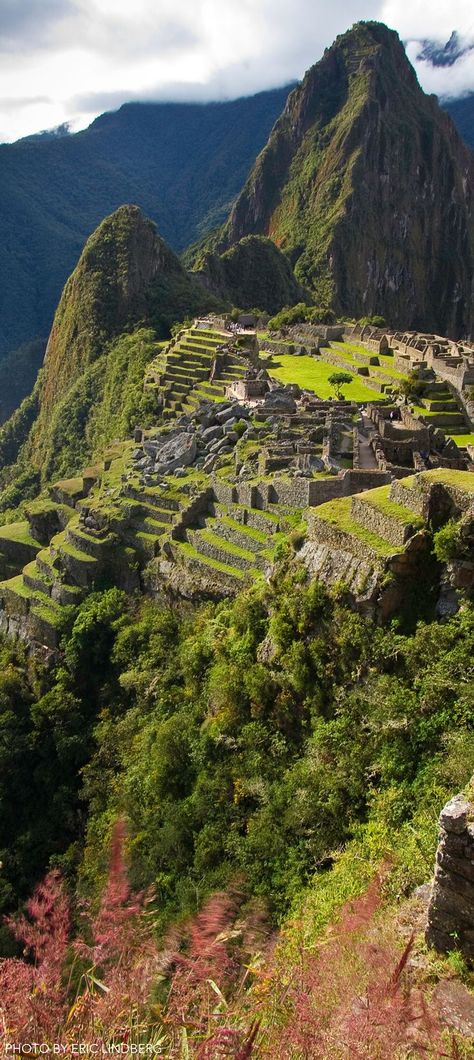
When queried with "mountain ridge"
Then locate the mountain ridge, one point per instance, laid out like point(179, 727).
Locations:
point(181, 163)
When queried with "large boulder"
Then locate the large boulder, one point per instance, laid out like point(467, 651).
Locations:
point(179, 451)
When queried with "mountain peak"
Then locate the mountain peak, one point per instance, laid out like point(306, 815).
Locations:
point(366, 186)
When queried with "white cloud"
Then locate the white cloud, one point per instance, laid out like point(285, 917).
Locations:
point(67, 60)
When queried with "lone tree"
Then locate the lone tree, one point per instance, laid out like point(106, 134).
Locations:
point(337, 380)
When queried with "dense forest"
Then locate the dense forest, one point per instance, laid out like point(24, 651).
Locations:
point(278, 748)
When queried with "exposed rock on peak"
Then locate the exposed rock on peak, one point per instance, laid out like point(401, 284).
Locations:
point(367, 187)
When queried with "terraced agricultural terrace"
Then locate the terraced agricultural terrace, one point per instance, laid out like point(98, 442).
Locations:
point(206, 500)
point(196, 366)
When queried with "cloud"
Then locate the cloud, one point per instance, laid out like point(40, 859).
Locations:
point(447, 82)
point(22, 101)
point(68, 60)
point(30, 23)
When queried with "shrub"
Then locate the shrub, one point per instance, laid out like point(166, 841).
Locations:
point(300, 313)
point(373, 321)
point(447, 542)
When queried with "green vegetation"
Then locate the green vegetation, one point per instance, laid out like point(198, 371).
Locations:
point(380, 498)
point(350, 732)
point(447, 542)
point(313, 373)
point(253, 270)
point(461, 439)
point(373, 321)
point(462, 480)
point(299, 314)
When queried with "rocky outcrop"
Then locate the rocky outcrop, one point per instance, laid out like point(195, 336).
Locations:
point(451, 908)
point(367, 186)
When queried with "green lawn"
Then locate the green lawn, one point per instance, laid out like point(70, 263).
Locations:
point(313, 374)
point(462, 439)
point(18, 532)
point(462, 480)
point(380, 498)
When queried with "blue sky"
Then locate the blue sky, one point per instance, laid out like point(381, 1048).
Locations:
point(69, 60)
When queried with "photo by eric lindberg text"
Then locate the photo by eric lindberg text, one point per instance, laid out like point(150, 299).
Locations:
point(18, 1049)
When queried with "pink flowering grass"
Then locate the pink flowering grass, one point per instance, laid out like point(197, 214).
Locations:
point(217, 988)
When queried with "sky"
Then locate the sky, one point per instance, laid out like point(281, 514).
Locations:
point(69, 60)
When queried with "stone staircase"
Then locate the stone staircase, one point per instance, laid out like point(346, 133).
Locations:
point(443, 409)
point(231, 544)
point(182, 372)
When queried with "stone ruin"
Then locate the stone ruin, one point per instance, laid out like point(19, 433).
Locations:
point(406, 443)
point(251, 388)
point(413, 350)
point(451, 907)
point(299, 433)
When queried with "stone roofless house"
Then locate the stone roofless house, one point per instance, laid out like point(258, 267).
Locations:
point(409, 444)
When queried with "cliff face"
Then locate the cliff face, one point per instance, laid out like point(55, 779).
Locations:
point(367, 187)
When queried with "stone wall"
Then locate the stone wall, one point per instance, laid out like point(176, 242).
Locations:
point(467, 405)
point(414, 499)
point(373, 519)
point(188, 515)
point(451, 908)
point(459, 377)
point(279, 349)
point(298, 492)
point(326, 533)
point(356, 481)
point(326, 332)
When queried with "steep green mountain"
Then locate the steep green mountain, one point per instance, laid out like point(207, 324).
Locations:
point(367, 186)
point(251, 274)
point(125, 277)
point(183, 164)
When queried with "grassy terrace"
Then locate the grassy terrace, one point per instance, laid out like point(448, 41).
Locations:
point(192, 553)
point(18, 532)
point(462, 439)
point(242, 528)
point(461, 480)
point(73, 487)
point(385, 368)
point(338, 514)
point(312, 373)
point(16, 585)
point(225, 545)
point(59, 542)
point(379, 498)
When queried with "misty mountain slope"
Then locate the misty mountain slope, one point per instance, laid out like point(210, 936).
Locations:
point(182, 164)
